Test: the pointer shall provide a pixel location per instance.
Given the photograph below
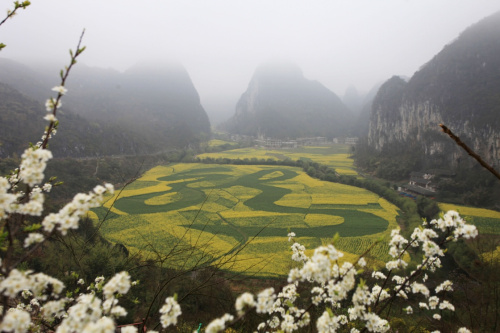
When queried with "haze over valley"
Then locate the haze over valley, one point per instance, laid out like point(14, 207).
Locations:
point(339, 44)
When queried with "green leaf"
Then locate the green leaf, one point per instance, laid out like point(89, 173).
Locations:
point(33, 227)
point(335, 238)
point(3, 237)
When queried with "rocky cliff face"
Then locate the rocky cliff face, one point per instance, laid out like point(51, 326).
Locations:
point(459, 87)
point(281, 103)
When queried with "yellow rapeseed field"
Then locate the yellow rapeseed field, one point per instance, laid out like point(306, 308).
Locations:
point(243, 193)
point(316, 220)
point(271, 175)
point(491, 256)
point(339, 194)
point(209, 208)
point(216, 143)
point(162, 199)
point(470, 211)
point(342, 162)
point(301, 199)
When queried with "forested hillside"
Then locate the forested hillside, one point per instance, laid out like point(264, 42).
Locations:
point(21, 122)
point(144, 110)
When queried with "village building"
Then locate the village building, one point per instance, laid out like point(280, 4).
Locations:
point(351, 141)
point(426, 183)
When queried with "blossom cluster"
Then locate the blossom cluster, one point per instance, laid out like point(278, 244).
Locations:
point(68, 217)
point(337, 287)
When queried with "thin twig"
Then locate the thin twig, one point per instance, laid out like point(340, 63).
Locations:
point(64, 77)
point(11, 13)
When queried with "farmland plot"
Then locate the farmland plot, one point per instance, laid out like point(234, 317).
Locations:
point(246, 210)
point(336, 155)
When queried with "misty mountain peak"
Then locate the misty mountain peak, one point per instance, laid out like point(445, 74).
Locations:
point(352, 99)
point(157, 68)
point(281, 103)
point(278, 70)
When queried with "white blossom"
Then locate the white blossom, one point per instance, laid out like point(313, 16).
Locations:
point(362, 262)
point(244, 301)
point(60, 89)
point(219, 324)
point(446, 286)
point(33, 238)
point(298, 252)
point(169, 312)
point(17, 321)
point(33, 163)
point(265, 300)
point(288, 324)
point(120, 283)
point(445, 305)
point(463, 330)
point(129, 329)
point(50, 104)
point(50, 117)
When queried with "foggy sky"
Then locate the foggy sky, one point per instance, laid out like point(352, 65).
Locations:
point(220, 42)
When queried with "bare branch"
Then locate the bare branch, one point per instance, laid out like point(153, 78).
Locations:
point(469, 151)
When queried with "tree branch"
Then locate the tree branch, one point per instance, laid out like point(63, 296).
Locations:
point(469, 151)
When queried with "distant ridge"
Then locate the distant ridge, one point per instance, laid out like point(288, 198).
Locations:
point(281, 103)
point(156, 106)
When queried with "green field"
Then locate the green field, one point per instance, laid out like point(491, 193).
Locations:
point(335, 155)
point(230, 208)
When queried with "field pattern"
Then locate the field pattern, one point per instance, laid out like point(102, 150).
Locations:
point(230, 208)
point(336, 155)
